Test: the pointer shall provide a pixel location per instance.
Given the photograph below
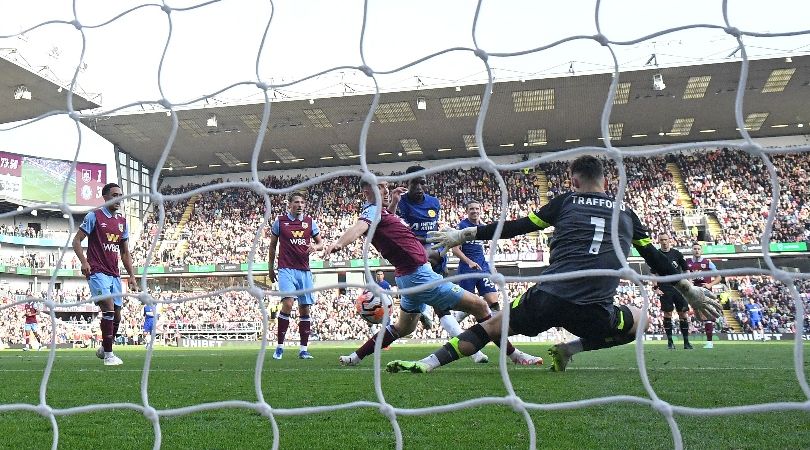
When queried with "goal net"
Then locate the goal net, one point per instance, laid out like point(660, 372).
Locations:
point(496, 42)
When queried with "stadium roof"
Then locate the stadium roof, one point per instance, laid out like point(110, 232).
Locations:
point(45, 94)
point(524, 117)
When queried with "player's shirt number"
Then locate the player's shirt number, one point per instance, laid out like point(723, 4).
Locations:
point(598, 234)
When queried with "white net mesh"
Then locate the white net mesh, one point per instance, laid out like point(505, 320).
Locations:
point(267, 87)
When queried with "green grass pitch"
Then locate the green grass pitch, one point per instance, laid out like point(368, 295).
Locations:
point(731, 374)
point(40, 186)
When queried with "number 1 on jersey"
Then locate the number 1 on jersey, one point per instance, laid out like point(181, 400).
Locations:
point(598, 234)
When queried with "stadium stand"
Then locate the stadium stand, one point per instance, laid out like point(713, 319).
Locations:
point(716, 184)
point(236, 315)
point(219, 227)
point(733, 186)
point(223, 223)
point(779, 310)
point(651, 192)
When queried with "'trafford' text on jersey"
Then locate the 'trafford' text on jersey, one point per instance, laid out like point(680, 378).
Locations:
point(582, 240)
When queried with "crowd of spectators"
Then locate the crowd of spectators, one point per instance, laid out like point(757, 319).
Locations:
point(650, 191)
point(223, 226)
point(334, 317)
point(41, 259)
point(732, 185)
point(773, 298)
point(224, 222)
point(793, 214)
point(735, 187)
point(20, 230)
point(13, 317)
point(173, 212)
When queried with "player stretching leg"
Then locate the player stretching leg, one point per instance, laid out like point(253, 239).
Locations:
point(582, 306)
point(108, 234)
point(396, 243)
point(421, 212)
point(299, 236)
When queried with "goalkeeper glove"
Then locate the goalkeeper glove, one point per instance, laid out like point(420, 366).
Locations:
point(701, 300)
point(447, 238)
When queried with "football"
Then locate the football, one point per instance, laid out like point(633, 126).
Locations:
point(372, 308)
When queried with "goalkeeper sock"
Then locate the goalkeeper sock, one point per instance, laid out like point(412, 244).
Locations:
point(391, 335)
point(509, 347)
point(283, 324)
point(668, 328)
point(465, 344)
point(304, 324)
point(685, 330)
point(709, 327)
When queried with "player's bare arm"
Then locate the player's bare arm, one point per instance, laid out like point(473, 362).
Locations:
point(713, 282)
point(396, 195)
point(79, 251)
point(271, 258)
point(460, 255)
point(126, 258)
point(352, 234)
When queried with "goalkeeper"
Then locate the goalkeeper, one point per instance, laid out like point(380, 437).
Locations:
point(584, 306)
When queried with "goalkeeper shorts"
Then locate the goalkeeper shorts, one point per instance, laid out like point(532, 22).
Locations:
point(537, 311)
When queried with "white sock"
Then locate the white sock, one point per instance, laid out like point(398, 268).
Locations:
point(450, 324)
point(303, 348)
point(432, 361)
point(354, 357)
point(108, 354)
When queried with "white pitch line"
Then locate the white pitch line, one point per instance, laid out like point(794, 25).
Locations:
point(44, 355)
point(371, 369)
